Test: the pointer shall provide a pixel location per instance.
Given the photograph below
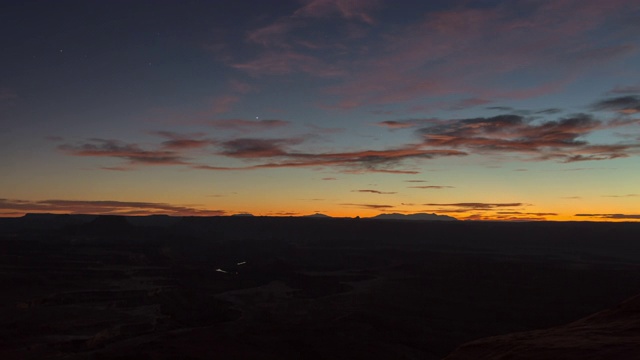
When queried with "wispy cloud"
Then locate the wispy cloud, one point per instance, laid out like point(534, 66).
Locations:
point(629, 89)
point(468, 103)
point(360, 10)
point(431, 187)
point(222, 104)
point(477, 206)
point(409, 123)
point(375, 192)
point(178, 141)
point(612, 216)
point(383, 161)
point(454, 52)
point(369, 206)
point(133, 153)
point(526, 213)
point(103, 207)
point(505, 217)
point(283, 32)
point(244, 125)
point(629, 104)
point(622, 196)
point(288, 62)
point(257, 148)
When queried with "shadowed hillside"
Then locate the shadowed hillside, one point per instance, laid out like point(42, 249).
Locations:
point(610, 334)
point(78, 287)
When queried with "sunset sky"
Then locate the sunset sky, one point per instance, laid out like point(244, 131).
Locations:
point(496, 110)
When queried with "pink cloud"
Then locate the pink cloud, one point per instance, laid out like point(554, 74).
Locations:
point(348, 9)
point(287, 62)
point(628, 89)
point(133, 153)
point(479, 52)
point(364, 161)
point(271, 35)
point(183, 141)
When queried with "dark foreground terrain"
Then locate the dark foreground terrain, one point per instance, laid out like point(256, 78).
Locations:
point(87, 287)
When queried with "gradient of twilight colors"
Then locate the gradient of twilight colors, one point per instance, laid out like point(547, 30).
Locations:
point(481, 110)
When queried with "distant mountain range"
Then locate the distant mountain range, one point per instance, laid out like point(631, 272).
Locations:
point(398, 216)
point(317, 215)
point(154, 220)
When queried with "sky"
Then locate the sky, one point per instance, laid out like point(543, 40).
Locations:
point(480, 110)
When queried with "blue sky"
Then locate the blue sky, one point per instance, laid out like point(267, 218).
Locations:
point(504, 110)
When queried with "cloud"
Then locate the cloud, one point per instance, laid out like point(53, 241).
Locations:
point(629, 104)
point(494, 217)
point(630, 89)
point(360, 10)
point(477, 206)
point(402, 124)
point(257, 148)
point(130, 152)
point(274, 34)
point(375, 192)
point(541, 140)
point(369, 206)
point(382, 161)
point(416, 181)
point(477, 52)
point(248, 125)
point(383, 171)
point(288, 62)
point(468, 103)
point(103, 207)
point(393, 124)
point(279, 32)
point(501, 108)
point(183, 141)
point(292, 44)
point(282, 33)
point(612, 216)
point(526, 213)
point(622, 196)
point(271, 153)
point(549, 111)
point(431, 187)
point(329, 178)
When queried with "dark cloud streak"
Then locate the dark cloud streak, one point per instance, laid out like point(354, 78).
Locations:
point(103, 207)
